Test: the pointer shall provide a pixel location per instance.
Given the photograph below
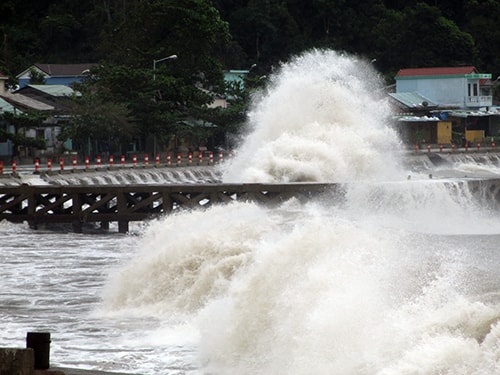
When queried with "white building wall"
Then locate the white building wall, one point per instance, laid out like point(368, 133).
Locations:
point(450, 91)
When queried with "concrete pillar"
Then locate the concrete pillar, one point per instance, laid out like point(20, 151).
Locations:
point(14, 361)
point(123, 226)
point(40, 343)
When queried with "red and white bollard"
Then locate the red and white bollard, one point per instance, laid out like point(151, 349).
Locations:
point(1, 167)
point(49, 165)
point(87, 162)
point(98, 161)
point(493, 144)
point(453, 147)
point(441, 147)
point(74, 163)
point(14, 166)
point(466, 146)
point(179, 159)
point(190, 158)
point(111, 160)
point(157, 159)
point(478, 146)
point(122, 160)
point(146, 159)
point(134, 161)
point(200, 158)
point(61, 164)
point(221, 157)
point(230, 154)
point(211, 157)
point(37, 166)
point(416, 147)
point(428, 148)
point(169, 159)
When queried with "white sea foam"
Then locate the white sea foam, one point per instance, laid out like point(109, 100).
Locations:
point(322, 118)
point(394, 277)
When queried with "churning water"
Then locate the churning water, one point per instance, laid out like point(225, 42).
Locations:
point(396, 277)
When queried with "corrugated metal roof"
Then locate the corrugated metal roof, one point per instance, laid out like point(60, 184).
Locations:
point(440, 71)
point(466, 113)
point(407, 118)
point(64, 70)
point(413, 100)
point(58, 70)
point(55, 90)
point(5, 106)
point(23, 101)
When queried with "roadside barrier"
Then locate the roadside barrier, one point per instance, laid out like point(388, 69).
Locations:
point(87, 164)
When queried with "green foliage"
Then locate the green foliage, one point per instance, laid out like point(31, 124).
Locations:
point(126, 101)
point(95, 117)
point(36, 77)
point(21, 122)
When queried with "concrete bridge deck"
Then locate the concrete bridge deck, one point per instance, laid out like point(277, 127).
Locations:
point(78, 205)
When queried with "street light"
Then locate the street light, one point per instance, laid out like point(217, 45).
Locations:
point(171, 57)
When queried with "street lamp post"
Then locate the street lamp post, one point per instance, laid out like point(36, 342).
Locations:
point(171, 57)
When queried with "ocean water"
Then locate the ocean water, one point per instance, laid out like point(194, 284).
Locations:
point(398, 276)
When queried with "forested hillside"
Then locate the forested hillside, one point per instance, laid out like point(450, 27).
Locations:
point(129, 99)
point(397, 34)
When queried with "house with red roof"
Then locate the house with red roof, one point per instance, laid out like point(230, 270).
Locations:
point(460, 87)
point(439, 103)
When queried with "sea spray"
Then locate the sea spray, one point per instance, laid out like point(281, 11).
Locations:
point(323, 118)
point(382, 281)
point(189, 258)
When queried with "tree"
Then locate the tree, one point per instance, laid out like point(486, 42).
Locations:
point(139, 33)
point(21, 123)
point(98, 124)
point(482, 23)
point(425, 39)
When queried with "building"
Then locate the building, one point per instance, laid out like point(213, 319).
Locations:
point(445, 105)
point(56, 74)
point(52, 99)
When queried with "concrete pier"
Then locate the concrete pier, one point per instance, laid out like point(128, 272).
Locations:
point(78, 205)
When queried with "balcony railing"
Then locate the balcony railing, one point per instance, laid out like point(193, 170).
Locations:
point(478, 101)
